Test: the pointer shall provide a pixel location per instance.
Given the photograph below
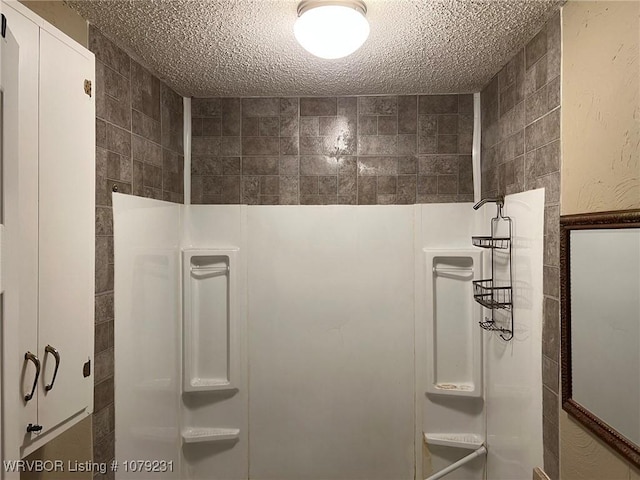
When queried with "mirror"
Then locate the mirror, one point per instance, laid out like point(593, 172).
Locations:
point(600, 294)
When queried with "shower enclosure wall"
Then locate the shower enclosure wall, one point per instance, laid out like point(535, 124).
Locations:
point(331, 342)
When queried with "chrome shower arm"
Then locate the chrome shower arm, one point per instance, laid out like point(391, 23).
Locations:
point(499, 201)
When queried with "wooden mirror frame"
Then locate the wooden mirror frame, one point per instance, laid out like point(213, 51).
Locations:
point(591, 221)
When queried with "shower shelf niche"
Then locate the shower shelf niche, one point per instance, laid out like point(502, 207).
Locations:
point(459, 440)
point(455, 367)
point(210, 337)
point(201, 435)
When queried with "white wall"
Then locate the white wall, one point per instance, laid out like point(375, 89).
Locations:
point(600, 108)
point(331, 343)
point(513, 370)
point(147, 332)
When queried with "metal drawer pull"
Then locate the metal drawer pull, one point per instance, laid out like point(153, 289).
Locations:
point(31, 357)
point(56, 355)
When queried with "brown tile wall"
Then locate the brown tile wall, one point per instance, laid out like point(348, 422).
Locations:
point(139, 149)
point(332, 150)
point(520, 152)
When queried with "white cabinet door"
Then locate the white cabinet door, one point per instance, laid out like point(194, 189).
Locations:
point(9, 247)
point(20, 328)
point(66, 229)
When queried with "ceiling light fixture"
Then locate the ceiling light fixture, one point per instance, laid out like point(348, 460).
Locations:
point(331, 29)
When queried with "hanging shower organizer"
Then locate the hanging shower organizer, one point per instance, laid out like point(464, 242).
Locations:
point(491, 293)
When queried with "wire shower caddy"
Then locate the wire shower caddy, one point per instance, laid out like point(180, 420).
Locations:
point(489, 292)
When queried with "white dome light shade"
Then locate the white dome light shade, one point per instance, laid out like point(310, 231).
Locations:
point(331, 29)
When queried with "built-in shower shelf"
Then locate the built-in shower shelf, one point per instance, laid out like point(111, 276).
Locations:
point(210, 317)
point(458, 440)
point(454, 343)
point(210, 384)
point(455, 387)
point(200, 435)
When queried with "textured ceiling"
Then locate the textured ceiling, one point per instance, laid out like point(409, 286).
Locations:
point(246, 47)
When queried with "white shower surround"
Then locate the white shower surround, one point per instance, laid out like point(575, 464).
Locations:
point(332, 353)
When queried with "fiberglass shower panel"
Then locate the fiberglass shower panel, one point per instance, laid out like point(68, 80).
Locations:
point(214, 418)
point(331, 342)
point(513, 369)
point(447, 340)
point(146, 333)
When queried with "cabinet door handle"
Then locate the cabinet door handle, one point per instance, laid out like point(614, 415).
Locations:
point(34, 428)
point(56, 355)
point(32, 358)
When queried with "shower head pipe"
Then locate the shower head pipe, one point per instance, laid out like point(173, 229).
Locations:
point(499, 201)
